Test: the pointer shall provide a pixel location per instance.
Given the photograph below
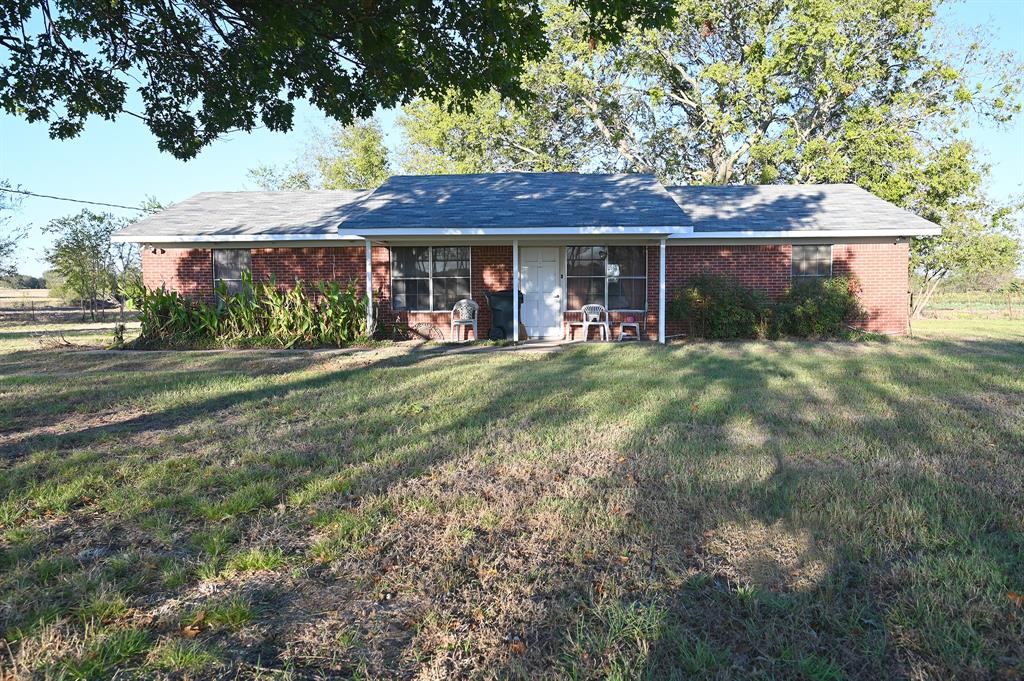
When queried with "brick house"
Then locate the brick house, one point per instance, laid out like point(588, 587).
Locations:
point(420, 243)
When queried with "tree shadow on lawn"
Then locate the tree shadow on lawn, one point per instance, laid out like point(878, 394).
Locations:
point(719, 510)
point(920, 556)
point(112, 379)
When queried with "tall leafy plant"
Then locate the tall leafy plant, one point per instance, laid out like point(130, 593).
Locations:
point(262, 313)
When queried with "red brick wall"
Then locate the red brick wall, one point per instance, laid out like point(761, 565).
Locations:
point(884, 277)
point(881, 270)
point(187, 271)
point(765, 267)
point(342, 264)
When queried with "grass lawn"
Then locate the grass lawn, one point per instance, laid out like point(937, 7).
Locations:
point(750, 510)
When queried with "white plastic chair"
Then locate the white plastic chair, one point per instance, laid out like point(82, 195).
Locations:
point(595, 315)
point(465, 313)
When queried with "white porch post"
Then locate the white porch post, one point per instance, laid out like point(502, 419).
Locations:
point(515, 290)
point(369, 287)
point(661, 292)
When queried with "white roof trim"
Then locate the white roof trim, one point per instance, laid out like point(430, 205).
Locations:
point(225, 238)
point(515, 231)
point(672, 233)
point(808, 233)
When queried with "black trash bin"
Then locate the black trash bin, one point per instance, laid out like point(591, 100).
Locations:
point(500, 303)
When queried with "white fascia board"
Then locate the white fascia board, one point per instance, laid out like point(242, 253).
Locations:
point(807, 234)
point(672, 233)
point(517, 231)
point(227, 238)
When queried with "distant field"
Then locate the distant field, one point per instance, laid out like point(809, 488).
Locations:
point(974, 304)
point(23, 306)
point(17, 297)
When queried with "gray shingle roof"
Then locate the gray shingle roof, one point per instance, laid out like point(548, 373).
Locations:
point(250, 213)
point(525, 201)
point(826, 207)
point(518, 200)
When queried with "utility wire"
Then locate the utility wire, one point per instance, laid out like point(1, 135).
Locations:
point(64, 198)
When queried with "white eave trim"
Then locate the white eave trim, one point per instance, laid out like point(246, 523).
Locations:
point(671, 233)
point(807, 233)
point(519, 231)
point(226, 238)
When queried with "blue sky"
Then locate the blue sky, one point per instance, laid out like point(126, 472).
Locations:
point(118, 162)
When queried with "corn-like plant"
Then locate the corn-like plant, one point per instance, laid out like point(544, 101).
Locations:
point(322, 313)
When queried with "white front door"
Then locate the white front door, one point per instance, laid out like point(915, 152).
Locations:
point(542, 291)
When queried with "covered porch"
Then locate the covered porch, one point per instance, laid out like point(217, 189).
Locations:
point(415, 283)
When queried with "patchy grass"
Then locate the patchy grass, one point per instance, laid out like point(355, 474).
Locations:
point(713, 510)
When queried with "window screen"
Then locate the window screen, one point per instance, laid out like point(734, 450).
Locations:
point(429, 278)
point(613, 276)
point(228, 265)
point(812, 261)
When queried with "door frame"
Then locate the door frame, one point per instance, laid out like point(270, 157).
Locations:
point(560, 283)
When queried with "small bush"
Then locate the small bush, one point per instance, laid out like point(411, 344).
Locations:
point(720, 307)
point(818, 308)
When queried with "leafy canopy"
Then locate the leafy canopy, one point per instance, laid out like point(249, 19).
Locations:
point(88, 264)
point(205, 67)
point(755, 92)
point(350, 157)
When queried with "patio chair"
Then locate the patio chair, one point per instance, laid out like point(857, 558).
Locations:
point(593, 315)
point(465, 313)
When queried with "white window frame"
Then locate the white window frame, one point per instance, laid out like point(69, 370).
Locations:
point(792, 261)
point(647, 272)
point(430, 272)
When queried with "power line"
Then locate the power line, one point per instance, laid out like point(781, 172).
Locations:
point(64, 198)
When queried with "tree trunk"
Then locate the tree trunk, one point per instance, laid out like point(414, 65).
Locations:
point(929, 290)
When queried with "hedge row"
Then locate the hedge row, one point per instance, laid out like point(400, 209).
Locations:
point(720, 307)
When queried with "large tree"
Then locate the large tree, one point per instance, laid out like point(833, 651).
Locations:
point(760, 91)
point(349, 157)
point(204, 67)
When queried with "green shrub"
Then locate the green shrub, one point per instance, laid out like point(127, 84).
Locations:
point(261, 314)
point(818, 308)
point(720, 307)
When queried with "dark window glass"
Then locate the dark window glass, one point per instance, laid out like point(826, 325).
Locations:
point(410, 294)
point(812, 261)
point(613, 276)
point(451, 261)
point(228, 265)
point(630, 261)
point(585, 261)
point(626, 294)
point(585, 291)
point(429, 278)
point(410, 262)
point(449, 291)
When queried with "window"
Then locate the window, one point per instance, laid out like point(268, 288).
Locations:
point(228, 266)
point(429, 278)
point(613, 276)
point(812, 262)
